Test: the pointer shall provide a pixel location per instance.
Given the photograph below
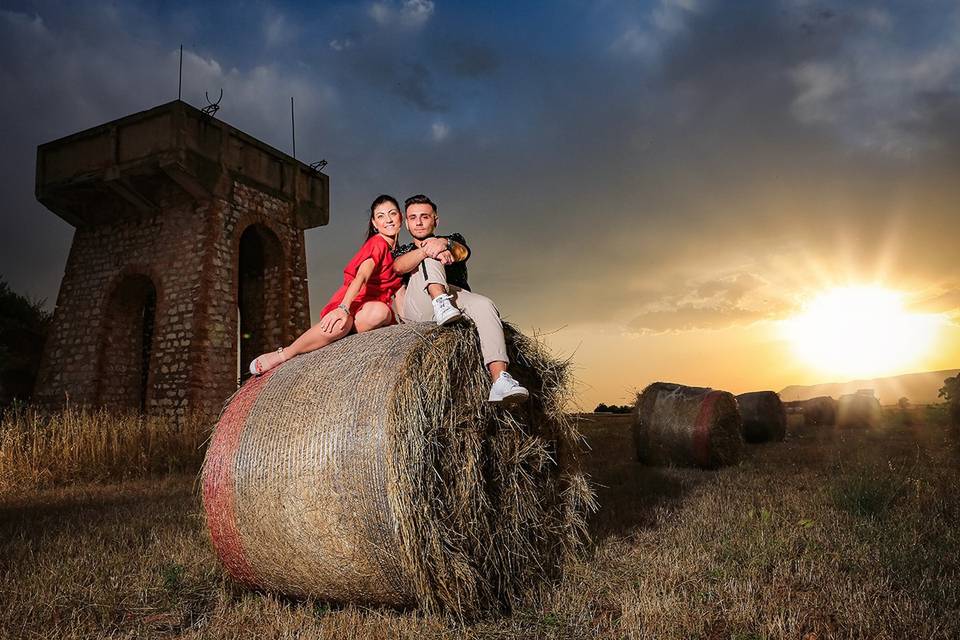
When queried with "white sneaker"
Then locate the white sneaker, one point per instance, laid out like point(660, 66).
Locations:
point(443, 310)
point(507, 390)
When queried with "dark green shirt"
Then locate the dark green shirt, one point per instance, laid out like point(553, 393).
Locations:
point(456, 272)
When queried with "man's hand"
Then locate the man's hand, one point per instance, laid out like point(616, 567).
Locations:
point(445, 257)
point(433, 247)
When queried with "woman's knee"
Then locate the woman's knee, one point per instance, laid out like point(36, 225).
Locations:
point(372, 315)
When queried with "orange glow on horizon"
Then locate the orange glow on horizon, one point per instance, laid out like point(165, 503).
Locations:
point(861, 331)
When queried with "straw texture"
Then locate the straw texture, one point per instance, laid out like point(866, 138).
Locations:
point(764, 416)
point(687, 426)
point(373, 471)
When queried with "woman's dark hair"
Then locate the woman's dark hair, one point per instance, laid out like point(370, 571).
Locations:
point(379, 200)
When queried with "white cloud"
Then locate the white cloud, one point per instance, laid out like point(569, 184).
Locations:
point(278, 30)
point(636, 41)
point(341, 45)
point(408, 13)
point(439, 131)
point(647, 37)
point(819, 86)
point(416, 12)
point(381, 13)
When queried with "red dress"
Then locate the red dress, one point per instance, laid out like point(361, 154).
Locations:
point(382, 284)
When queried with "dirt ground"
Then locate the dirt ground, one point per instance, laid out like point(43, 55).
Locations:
point(827, 535)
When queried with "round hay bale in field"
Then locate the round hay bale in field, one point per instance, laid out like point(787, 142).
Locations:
point(858, 410)
point(763, 415)
point(687, 426)
point(819, 411)
point(374, 471)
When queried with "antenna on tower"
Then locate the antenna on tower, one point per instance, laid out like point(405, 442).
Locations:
point(180, 76)
point(293, 129)
point(212, 107)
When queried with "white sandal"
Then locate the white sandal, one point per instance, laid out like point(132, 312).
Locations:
point(257, 367)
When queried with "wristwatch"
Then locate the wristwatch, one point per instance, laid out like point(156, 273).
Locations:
point(345, 309)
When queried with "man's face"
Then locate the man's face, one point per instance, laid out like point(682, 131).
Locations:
point(421, 220)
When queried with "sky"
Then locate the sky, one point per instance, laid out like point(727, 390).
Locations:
point(653, 187)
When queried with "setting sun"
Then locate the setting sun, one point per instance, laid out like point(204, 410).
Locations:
point(860, 331)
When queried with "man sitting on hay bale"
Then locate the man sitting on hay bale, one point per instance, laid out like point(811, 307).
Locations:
point(435, 274)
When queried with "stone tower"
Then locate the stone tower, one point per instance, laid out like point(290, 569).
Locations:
point(187, 260)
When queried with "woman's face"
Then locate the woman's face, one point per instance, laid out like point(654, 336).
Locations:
point(386, 219)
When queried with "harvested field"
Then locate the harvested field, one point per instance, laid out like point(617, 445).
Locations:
point(832, 534)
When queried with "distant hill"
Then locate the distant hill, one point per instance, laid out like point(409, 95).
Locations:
point(919, 388)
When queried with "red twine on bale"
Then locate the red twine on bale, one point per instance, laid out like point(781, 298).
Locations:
point(219, 488)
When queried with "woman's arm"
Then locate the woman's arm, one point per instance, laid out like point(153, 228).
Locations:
point(332, 321)
point(409, 261)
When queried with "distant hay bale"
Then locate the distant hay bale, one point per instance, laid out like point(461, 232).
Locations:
point(373, 471)
point(687, 426)
point(763, 415)
point(819, 411)
point(793, 406)
point(858, 410)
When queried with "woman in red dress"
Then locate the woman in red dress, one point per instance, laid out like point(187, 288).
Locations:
point(363, 302)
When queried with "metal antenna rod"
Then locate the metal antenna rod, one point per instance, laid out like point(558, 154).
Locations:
point(293, 129)
point(180, 78)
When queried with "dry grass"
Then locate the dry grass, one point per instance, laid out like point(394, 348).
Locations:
point(827, 535)
point(39, 449)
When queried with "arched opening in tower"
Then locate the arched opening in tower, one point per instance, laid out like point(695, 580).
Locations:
point(260, 296)
point(127, 345)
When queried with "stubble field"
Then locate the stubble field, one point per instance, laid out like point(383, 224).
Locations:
point(827, 535)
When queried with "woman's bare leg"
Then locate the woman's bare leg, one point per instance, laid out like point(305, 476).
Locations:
point(372, 315)
point(314, 338)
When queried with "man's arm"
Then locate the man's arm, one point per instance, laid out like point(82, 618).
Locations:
point(458, 247)
point(432, 248)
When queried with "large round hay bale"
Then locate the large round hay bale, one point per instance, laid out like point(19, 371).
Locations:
point(763, 415)
point(858, 410)
point(819, 411)
point(373, 471)
point(687, 426)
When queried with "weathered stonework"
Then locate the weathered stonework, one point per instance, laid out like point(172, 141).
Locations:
point(199, 227)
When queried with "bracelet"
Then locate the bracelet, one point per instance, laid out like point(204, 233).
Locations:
point(345, 309)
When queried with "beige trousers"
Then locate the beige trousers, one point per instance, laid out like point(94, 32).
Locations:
point(418, 307)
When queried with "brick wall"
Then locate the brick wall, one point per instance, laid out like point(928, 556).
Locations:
point(189, 252)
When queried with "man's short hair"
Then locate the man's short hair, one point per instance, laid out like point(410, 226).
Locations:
point(419, 199)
